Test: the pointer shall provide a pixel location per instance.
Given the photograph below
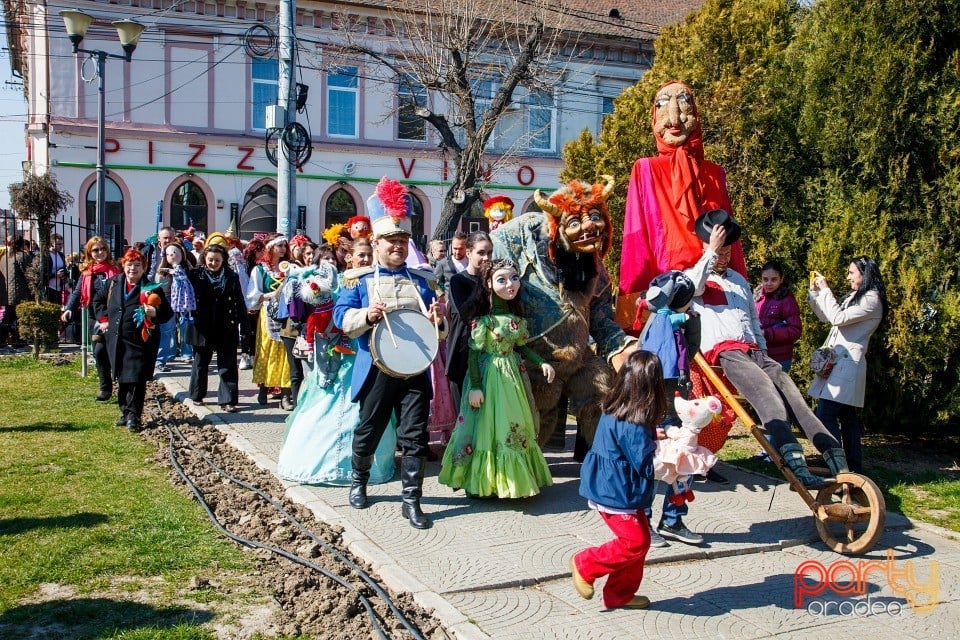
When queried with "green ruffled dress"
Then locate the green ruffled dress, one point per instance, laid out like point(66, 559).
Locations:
point(493, 450)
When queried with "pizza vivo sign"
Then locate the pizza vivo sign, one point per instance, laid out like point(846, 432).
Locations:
point(244, 157)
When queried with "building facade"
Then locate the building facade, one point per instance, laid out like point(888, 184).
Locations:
point(185, 118)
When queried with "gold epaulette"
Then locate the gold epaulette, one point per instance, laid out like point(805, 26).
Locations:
point(429, 276)
point(351, 277)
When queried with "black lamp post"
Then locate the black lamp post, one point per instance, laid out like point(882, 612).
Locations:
point(129, 32)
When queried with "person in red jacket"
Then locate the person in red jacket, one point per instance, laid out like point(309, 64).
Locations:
point(779, 313)
point(779, 318)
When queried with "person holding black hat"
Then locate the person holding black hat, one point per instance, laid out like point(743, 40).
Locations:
point(731, 336)
point(668, 298)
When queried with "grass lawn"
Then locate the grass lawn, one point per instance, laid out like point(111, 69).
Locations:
point(919, 479)
point(89, 522)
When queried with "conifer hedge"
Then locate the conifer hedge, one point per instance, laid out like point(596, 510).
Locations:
point(838, 124)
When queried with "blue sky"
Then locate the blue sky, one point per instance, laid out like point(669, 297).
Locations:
point(13, 110)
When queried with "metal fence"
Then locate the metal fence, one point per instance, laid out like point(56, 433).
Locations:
point(73, 231)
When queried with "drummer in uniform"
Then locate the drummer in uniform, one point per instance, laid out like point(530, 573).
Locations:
point(366, 296)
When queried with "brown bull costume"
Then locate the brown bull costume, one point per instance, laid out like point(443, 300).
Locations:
point(567, 299)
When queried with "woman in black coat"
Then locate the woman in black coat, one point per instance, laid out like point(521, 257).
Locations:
point(221, 309)
point(131, 357)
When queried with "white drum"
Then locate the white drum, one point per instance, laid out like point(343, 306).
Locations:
point(410, 349)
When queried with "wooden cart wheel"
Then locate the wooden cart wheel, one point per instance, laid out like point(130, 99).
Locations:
point(850, 514)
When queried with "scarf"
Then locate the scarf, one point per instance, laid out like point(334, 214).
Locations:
point(684, 165)
point(218, 280)
point(86, 280)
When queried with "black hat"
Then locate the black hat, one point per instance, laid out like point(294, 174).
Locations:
point(670, 290)
point(705, 224)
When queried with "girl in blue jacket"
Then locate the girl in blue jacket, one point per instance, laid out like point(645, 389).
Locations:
point(617, 480)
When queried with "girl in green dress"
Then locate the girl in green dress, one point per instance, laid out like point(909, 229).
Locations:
point(493, 449)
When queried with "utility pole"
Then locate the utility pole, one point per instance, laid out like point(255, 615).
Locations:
point(286, 169)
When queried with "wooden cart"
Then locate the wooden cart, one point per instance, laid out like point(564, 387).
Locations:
point(849, 512)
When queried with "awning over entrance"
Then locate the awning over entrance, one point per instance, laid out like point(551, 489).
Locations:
point(259, 215)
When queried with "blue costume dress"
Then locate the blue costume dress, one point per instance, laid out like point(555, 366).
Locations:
point(318, 443)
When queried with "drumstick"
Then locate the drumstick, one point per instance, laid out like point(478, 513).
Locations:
point(386, 321)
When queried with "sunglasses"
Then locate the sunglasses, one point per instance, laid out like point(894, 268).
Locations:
point(98, 250)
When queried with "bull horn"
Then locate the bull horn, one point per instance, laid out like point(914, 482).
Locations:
point(608, 189)
point(545, 204)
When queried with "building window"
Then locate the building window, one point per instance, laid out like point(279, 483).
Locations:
point(188, 207)
point(342, 106)
point(541, 121)
point(264, 74)
point(606, 107)
point(340, 208)
point(410, 95)
point(112, 207)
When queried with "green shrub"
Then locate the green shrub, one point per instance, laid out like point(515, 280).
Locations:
point(39, 324)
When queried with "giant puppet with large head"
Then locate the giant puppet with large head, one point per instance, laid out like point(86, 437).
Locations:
point(665, 196)
point(567, 300)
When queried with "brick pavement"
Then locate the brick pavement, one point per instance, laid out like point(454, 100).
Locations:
point(498, 569)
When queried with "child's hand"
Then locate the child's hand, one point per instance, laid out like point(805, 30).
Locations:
point(661, 434)
point(548, 372)
point(475, 398)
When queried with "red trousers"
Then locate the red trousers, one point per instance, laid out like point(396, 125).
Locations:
point(621, 559)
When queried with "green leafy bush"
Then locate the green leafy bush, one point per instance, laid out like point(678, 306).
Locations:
point(39, 324)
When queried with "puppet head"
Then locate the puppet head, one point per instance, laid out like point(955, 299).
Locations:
point(697, 413)
point(359, 227)
point(317, 284)
point(577, 217)
point(676, 122)
point(497, 210)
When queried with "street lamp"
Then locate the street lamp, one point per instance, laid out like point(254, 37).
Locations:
point(129, 32)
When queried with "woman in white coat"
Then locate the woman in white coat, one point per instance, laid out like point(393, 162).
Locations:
point(852, 322)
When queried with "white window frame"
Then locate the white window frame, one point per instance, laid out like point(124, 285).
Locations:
point(259, 111)
point(354, 91)
point(532, 131)
point(404, 91)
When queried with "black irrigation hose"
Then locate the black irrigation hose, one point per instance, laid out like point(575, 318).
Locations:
point(175, 433)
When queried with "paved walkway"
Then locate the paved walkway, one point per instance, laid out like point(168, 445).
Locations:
point(498, 569)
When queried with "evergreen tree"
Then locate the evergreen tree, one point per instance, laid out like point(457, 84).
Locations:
point(839, 129)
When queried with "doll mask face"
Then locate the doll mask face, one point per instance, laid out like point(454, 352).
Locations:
point(173, 254)
point(505, 283)
point(675, 118)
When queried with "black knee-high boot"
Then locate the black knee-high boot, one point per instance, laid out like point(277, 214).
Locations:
point(411, 479)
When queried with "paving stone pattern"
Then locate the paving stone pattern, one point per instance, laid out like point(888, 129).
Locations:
point(498, 569)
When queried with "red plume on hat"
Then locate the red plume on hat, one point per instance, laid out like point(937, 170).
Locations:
point(393, 195)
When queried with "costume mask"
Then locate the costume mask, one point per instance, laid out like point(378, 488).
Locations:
point(578, 218)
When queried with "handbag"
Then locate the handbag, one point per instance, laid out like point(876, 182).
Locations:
point(193, 336)
point(822, 361)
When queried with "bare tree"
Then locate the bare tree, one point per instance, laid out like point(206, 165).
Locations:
point(448, 48)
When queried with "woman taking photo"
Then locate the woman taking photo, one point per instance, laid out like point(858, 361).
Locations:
point(133, 311)
point(97, 268)
point(216, 326)
point(852, 322)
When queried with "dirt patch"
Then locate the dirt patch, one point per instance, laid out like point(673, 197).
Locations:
point(309, 603)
